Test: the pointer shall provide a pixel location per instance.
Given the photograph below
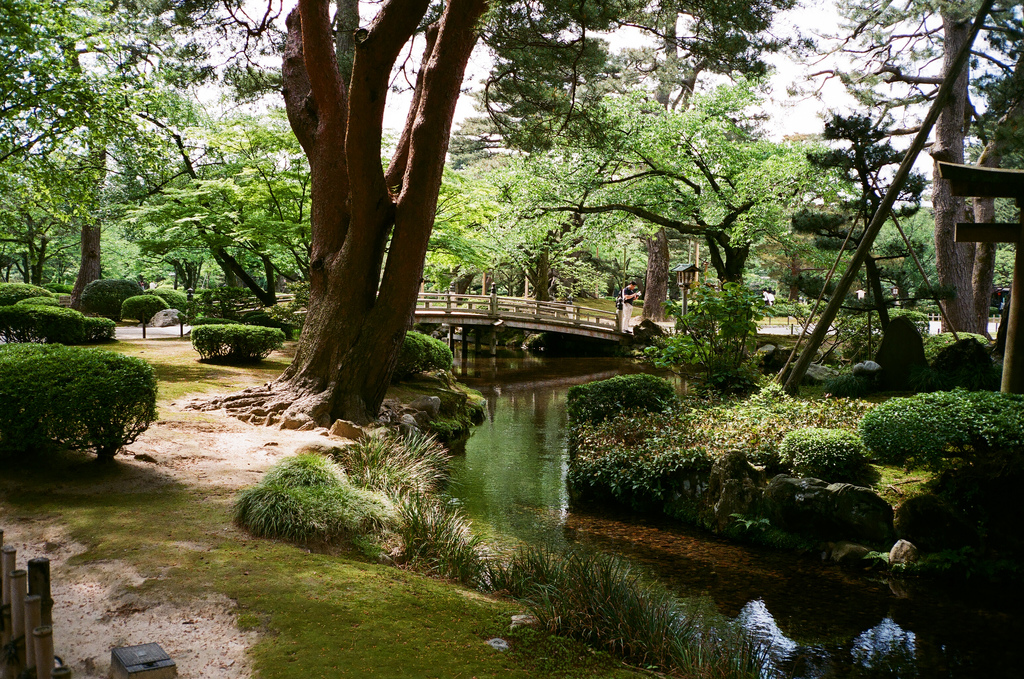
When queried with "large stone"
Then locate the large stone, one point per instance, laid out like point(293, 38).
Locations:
point(431, 405)
point(818, 373)
point(900, 352)
point(347, 430)
point(848, 553)
point(734, 487)
point(903, 552)
point(165, 318)
point(932, 525)
point(837, 511)
point(646, 331)
point(294, 420)
point(860, 513)
point(866, 369)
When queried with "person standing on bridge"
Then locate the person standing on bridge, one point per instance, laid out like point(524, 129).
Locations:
point(629, 293)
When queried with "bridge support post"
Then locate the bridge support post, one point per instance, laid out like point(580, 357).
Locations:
point(451, 338)
point(478, 336)
point(465, 342)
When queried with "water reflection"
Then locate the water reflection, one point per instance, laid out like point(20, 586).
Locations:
point(817, 620)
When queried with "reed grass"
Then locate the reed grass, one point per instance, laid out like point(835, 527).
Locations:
point(305, 470)
point(437, 539)
point(396, 466)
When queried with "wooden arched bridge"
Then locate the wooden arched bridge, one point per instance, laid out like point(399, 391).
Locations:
point(493, 311)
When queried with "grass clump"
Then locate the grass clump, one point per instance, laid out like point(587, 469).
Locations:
point(307, 499)
point(604, 602)
point(396, 466)
point(438, 540)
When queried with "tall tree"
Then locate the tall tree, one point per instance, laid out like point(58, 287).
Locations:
point(370, 229)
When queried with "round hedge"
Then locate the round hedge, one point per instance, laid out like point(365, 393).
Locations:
point(599, 401)
point(174, 298)
point(12, 293)
point(142, 307)
point(73, 396)
point(235, 343)
point(834, 455)
point(930, 429)
point(38, 301)
point(99, 329)
point(105, 297)
point(421, 353)
point(29, 323)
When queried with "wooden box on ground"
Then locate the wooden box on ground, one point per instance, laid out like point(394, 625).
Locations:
point(147, 661)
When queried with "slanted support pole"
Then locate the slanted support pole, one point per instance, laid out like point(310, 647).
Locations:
point(881, 215)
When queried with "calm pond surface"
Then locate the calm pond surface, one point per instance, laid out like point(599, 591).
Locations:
point(819, 620)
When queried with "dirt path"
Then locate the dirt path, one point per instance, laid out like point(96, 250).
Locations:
point(103, 605)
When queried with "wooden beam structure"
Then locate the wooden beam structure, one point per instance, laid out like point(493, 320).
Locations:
point(972, 181)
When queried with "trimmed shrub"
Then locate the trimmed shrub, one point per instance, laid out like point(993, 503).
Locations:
point(932, 429)
point(38, 301)
point(175, 299)
point(105, 297)
point(235, 343)
point(834, 455)
point(420, 353)
point(60, 288)
point(142, 307)
point(599, 401)
point(207, 320)
point(265, 320)
point(933, 344)
point(12, 293)
point(73, 396)
point(41, 324)
point(98, 329)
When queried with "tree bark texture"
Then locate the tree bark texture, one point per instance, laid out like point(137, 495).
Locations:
point(656, 285)
point(954, 262)
point(89, 269)
point(363, 286)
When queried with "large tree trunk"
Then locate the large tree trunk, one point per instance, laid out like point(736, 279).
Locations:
point(89, 270)
point(359, 301)
point(954, 262)
point(656, 285)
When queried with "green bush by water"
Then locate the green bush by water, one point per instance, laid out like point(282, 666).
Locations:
point(235, 343)
point(396, 466)
point(930, 429)
point(82, 398)
point(834, 455)
point(12, 293)
point(41, 324)
point(436, 539)
point(421, 353)
point(620, 395)
point(105, 297)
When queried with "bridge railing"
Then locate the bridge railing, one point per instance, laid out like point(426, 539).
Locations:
point(516, 307)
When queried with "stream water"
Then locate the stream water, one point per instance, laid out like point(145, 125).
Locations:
point(818, 620)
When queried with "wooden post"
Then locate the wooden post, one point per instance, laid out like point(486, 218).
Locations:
point(62, 672)
point(494, 341)
point(465, 342)
point(1013, 354)
point(8, 557)
point(451, 337)
point(478, 336)
point(39, 584)
point(33, 612)
point(44, 650)
point(18, 592)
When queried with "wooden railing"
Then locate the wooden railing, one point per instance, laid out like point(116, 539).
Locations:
point(515, 308)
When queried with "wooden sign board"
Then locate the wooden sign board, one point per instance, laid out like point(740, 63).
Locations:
point(970, 232)
point(983, 182)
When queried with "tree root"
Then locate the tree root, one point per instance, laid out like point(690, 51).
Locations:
point(272, 405)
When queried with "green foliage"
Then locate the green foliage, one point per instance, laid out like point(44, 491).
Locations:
point(604, 602)
point(304, 470)
point(12, 293)
point(81, 398)
point(41, 324)
point(415, 465)
point(265, 320)
point(222, 303)
point(39, 301)
point(142, 307)
point(714, 335)
point(235, 343)
point(421, 353)
point(105, 297)
point(847, 386)
point(208, 320)
point(934, 430)
point(292, 312)
point(98, 329)
point(175, 299)
point(437, 539)
point(834, 455)
point(621, 395)
point(59, 288)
